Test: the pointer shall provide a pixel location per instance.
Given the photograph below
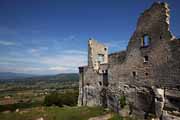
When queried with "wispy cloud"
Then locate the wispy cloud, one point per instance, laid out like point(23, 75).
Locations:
point(61, 69)
point(37, 51)
point(120, 45)
point(66, 61)
point(43, 56)
point(7, 43)
point(79, 52)
point(34, 51)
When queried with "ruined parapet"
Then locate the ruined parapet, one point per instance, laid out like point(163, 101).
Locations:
point(97, 54)
point(156, 18)
point(116, 58)
point(152, 26)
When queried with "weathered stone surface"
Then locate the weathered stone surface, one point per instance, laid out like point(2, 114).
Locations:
point(147, 74)
point(172, 100)
point(117, 58)
point(159, 101)
point(97, 54)
point(168, 116)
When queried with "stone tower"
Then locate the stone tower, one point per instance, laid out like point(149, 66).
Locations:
point(97, 54)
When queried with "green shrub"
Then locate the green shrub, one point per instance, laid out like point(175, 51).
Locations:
point(52, 99)
point(13, 107)
point(122, 101)
point(60, 99)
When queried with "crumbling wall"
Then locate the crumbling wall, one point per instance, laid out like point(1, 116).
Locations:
point(148, 67)
point(145, 65)
point(94, 76)
point(147, 74)
point(116, 58)
point(89, 87)
point(97, 54)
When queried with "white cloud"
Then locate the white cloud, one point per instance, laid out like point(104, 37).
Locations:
point(6, 43)
point(57, 68)
point(37, 51)
point(79, 52)
point(67, 61)
point(33, 50)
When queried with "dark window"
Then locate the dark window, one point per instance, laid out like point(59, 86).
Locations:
point(105, 78)
point(146, 59)
point(87, 84)
point(146, 74)
point(160, 37)
point(134, 74)
point(105, 49)
point(100, 83)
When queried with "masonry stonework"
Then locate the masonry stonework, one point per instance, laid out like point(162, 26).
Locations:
point(147, 74)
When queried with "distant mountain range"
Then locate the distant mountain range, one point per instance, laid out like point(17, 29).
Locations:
point(19, 76)
point(11, 75)
point(63, 77)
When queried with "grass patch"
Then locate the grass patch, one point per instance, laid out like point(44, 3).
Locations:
point(54, 113)
point(117, 117)
point(74, 113)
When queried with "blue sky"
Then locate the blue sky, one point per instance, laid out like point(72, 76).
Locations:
point(50, 36)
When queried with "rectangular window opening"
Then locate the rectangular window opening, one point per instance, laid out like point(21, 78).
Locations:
point(100, 58)
point(146, 59)
point(134, 74)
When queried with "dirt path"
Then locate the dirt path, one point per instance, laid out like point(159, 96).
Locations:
point(102, 117)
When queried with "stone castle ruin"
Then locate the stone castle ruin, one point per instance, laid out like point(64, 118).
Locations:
point(142, 81)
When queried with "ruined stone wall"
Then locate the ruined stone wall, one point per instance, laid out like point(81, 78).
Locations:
point(91, 86)
point(93, 77)
point(95, 50)
point(160, 52)
point(147, 69)
point(116, 58)
point(147, 73)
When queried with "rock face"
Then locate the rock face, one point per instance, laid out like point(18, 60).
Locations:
point(146, 75)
